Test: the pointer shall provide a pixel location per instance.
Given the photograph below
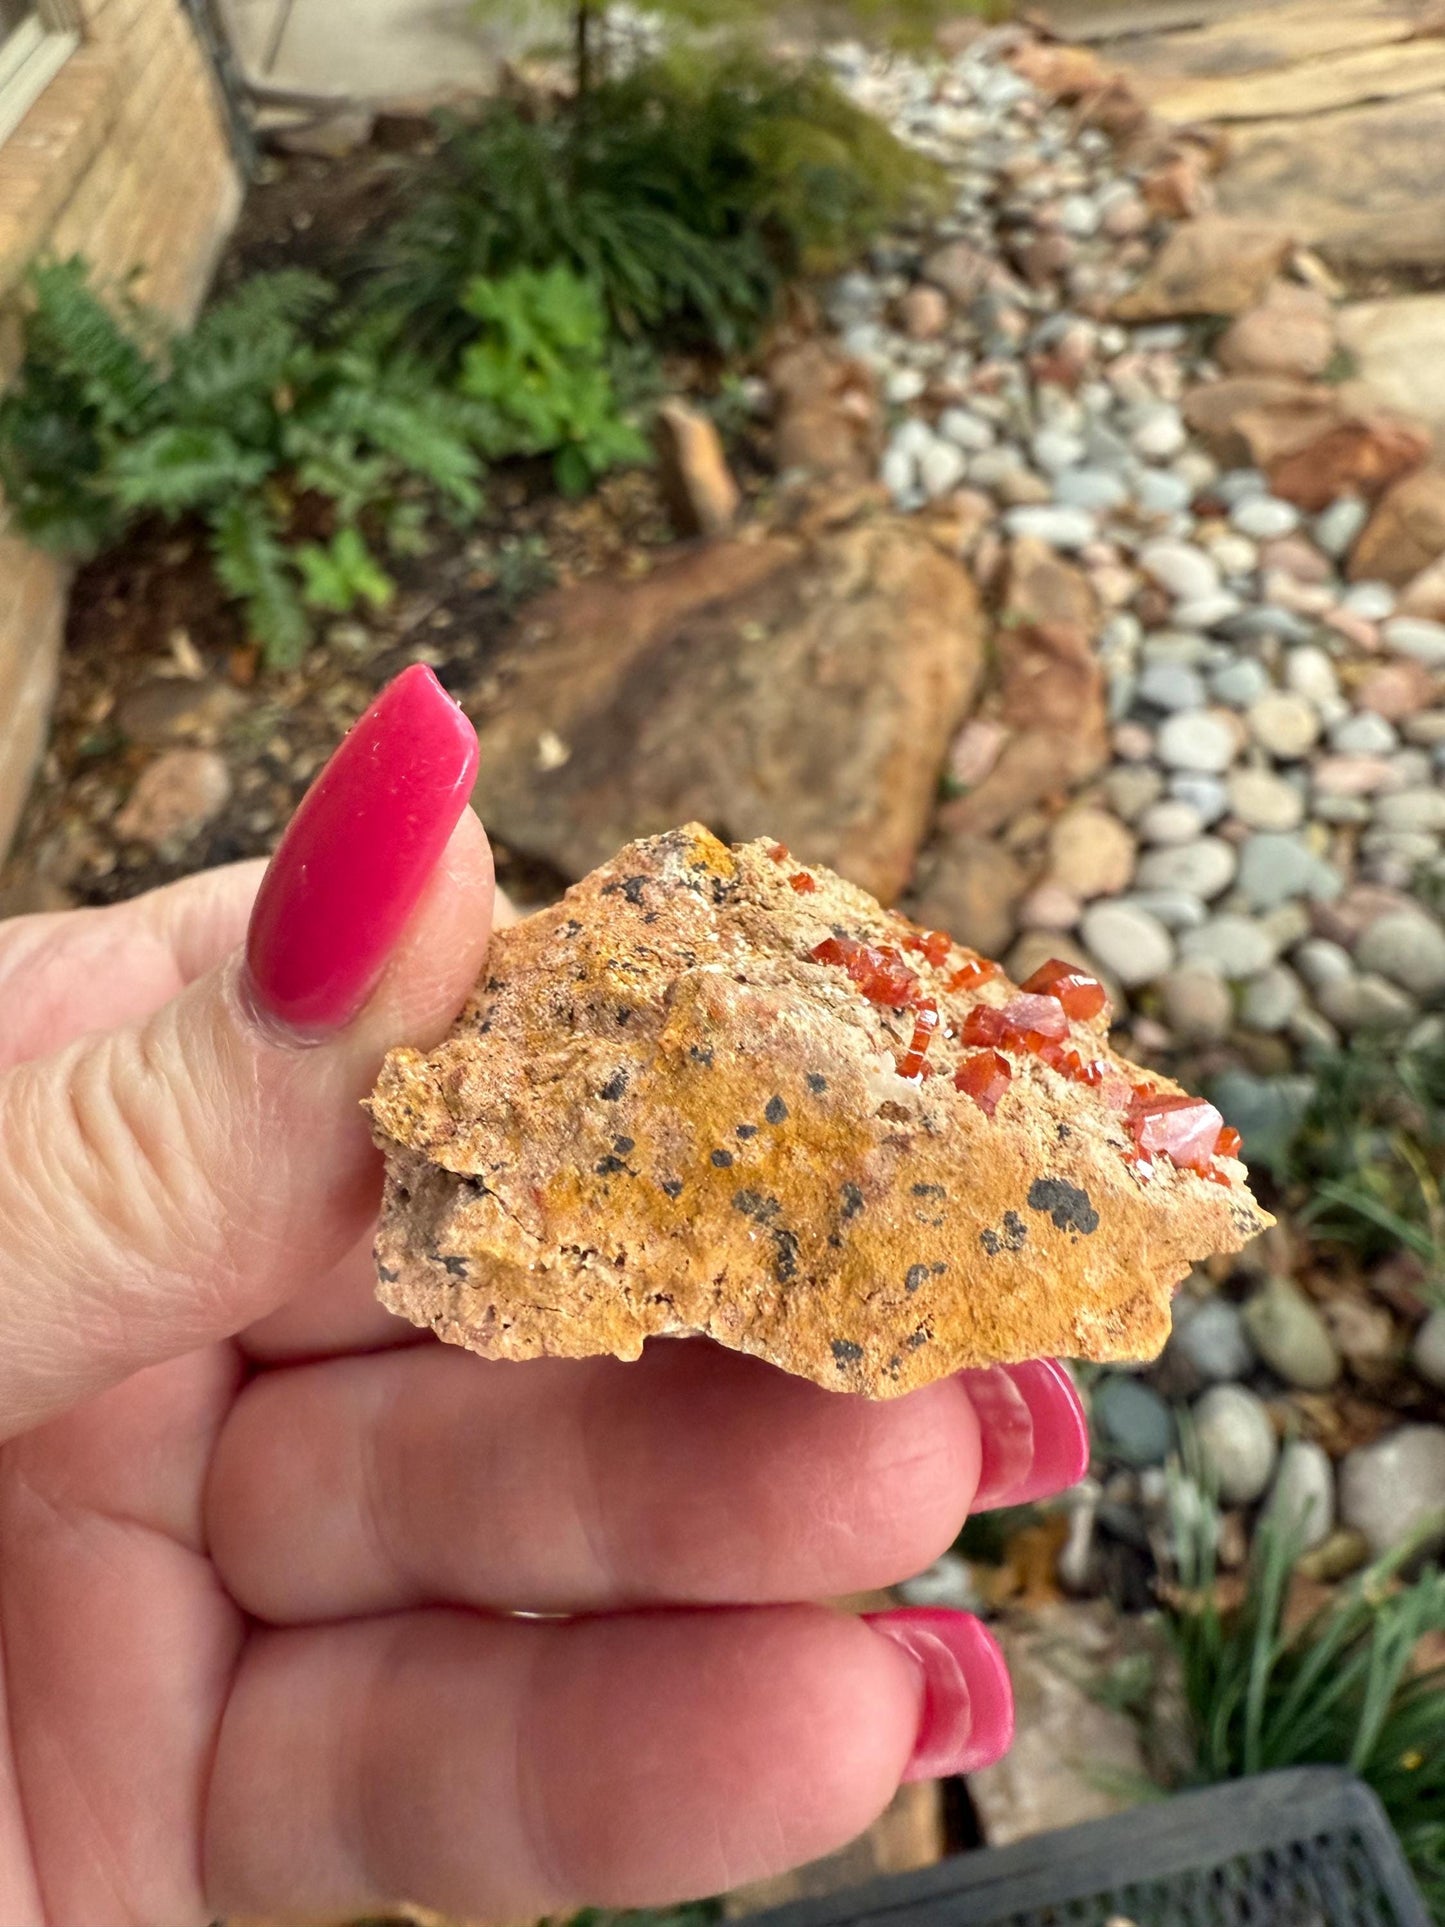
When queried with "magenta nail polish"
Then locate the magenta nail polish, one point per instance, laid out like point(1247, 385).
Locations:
point(967, 1717)
point(358, 853)
point(1034, 1435)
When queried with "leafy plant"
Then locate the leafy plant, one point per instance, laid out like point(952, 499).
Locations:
point(539, 369)
point(271, 412)
point(684, 192)
point(1342, 1688)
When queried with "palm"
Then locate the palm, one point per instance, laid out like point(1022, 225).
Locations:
point(250, 1599)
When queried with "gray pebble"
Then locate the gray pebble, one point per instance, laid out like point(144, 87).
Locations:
point(1131, 788)
point(1175, 909)
point(1240, 683)
point(1375, 601)
point(1263, 518)
point(1392, 1489)
point(1209, 612)
point(1170, 822)
point(1183, 571)
point(1196, 740)
point(1365, 1003)
point(1271, 999)
point(1202, 868)
point(1291, 1337)
point(1090, 488)
point(1233, 945)
point(903, 385)
point(1309, 672)
point(941, 468)
point(968, 432)
point(1274, 867)
point(1363, 734)
point(1132, 946)
point(1407, 947)
point(1131, 1422)
point(1212, 1337)
point(1413, 636)
point(1254, 625)
point(1054, 450)
point(1338, 526)
point(1062, 528)
point(1160, 434)
point(1421, 810)
point(1301, 1501)
point(1171, 686)
point(1321, 962)
point(1207, 794)
point(1236, 485)
point(1284, 724)
point(1236, 1441)
point(1158, 491)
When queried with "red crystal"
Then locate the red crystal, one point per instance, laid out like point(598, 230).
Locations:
point(984, 1025)
point(1081, 995)
point(1183, 1129)
point(880, 973)
point(970, 975)
point(1230, 1143)
point(984, 1078)
point(1041, 1017)
point(779, 852)
point(933, 945)
point(925, 1023)
point(802, 883)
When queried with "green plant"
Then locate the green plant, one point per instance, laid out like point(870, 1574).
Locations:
point(273, 415)
point(684, 192)
point(1368, 1157)
point(539, 370)
point(1341, 1688)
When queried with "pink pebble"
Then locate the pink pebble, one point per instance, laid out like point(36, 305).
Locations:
point(1353, 775)
point(1344, 622)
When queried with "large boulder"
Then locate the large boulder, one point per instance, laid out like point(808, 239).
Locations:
point(1212, 265)
point(1406, 534)
point(801, 687)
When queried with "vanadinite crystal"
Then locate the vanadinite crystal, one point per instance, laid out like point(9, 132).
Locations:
point(970, 975)
point(925, 1023)
point(934, 945)
point(1031, 1016)
point(984, 1078)
point(1186, 1130)
point(880, 973)
point(1081, 995)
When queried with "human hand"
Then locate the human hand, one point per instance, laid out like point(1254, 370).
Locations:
point(261, 1544)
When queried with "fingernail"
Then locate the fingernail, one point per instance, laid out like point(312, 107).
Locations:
point(1034, 1434)
point(357, 855)
point(967, 1721)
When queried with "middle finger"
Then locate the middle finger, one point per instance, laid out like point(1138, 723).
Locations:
point(693, 1476)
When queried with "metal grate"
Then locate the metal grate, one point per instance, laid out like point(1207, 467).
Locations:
point(1306, 1848)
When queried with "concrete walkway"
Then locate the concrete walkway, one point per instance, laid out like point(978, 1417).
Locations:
point(369, 50)
point(1335, 111)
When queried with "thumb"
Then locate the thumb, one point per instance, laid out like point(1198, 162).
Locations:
point(167, 1183)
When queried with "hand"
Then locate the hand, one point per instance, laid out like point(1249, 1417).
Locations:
point(259, 1542)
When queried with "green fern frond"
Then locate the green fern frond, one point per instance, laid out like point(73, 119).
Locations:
point(342, 574)
point(79, 337)
point(178, 468)
point(253, 566)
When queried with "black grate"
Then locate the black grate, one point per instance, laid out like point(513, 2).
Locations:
point(1306, 1848)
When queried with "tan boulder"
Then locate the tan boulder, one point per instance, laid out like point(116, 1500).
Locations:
point(1406, 534)
point(806, 688)
point(826, 416)
point(692, 471)
point(1211, 265)
point(1290, 333)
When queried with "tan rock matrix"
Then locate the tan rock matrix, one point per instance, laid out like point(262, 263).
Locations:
point(662, 1113)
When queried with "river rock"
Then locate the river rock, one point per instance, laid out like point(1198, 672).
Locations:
point(1091, 853)
point(174, 798)
point(1274, 867)
point(1409, 949)
point(1427, 1354)
point(1286, 725)
point(1395, 1489)
point(1203, 868)
point(1131, 945)
point(1195, 739)
point(1131, 1422)
point(1235, 946)
point(1365, 1003)
point(1211, 1335)
point(1301, 1501)
point(1291, 1336)
point(1196, 1005)
point(1271, 999)
point(1264, 801)
point(1236, 1442)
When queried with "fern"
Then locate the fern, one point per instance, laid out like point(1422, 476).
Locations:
point(252, 564)
point(181, 467)
point(342, 574)
point(81, 340)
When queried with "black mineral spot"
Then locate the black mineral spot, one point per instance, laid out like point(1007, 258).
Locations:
point(701, 1054)
point(387, 1275)
point(622, 1145)
point(785, 1253)
point(1015, 1228)
point(494, 983)
point(916, 1275)
point(722, 1159)
point(484, 1026)
point(751, 1203)
point(609, 1167)
point(1070, 1208)
point(673, 1187)
point(817, 1083)
point(775, 1111)
point(920, 1337)
point(614, 1087)
point(571, 927)
point(722, 890)
point(846, 1352)
point(1064, 1133)
point(894, 1365)
point(456, 1266)
point(929, 1191)
point(629, 887)
point(747, 1130)
point(852, 1201)
point(624, 1015)
point(650, 917)
point(938, 1269)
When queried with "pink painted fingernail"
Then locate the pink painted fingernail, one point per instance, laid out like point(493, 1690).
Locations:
point(967, 1721)
point(1034, 1434)
point(358, 853)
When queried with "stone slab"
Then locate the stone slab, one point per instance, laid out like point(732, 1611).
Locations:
point(1398, 347)
point(1264, 40)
